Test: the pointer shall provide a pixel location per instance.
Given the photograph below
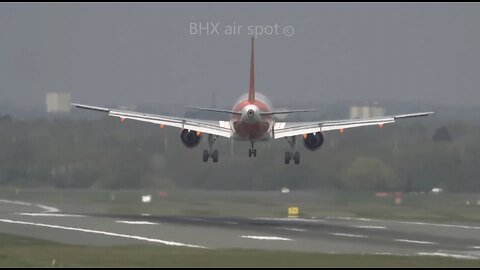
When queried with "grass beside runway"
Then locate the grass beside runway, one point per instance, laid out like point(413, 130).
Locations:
point(16, 251)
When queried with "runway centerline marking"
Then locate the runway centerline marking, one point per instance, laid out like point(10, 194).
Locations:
point(136, 222)
point(230, 222)
point(259, 237)
point(370, 227)
point(349, 235)
point(292, 229)
point(290, 219)
point(48, 215)
point(136, 237)
point(415, 241)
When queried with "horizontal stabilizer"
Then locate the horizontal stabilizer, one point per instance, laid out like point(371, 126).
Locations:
point(288, 111)
point(213, 110)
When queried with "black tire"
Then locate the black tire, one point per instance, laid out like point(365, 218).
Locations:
point(296, 157)
point(215, 156)
point(249, 152)
point(205, 155)
point(287, 157)
point(255, 152)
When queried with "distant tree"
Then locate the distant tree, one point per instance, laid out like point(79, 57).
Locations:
point(5, 118)
point(442, 135)
point(367, 173)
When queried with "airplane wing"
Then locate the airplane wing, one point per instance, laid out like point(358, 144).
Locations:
point(220, 128)
point(282, 129)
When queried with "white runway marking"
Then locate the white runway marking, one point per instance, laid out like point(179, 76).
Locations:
point(350, 218)
point(137, 222)
point(382, 253)
point(47, 215)
point(415, 241)
point(292, 229)
point(290, 219)
point(44, 207)
point(230, 222)
point(141, 238)
point(15, 202)
point(48, 208)
point(266, 237)
point(409, 222)
point(441, 254)
point(196, 219)
point(477, 247)
point(349, 235)
point(371, 227)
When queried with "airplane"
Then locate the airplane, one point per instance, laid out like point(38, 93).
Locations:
point(251, 119)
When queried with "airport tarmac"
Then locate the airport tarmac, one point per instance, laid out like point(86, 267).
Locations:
point(327, 234)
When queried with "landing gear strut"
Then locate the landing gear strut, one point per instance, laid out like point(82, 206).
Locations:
point(210, 153)
point(252, 151)
point(295, 155)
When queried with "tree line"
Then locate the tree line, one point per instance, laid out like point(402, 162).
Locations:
point(105, 153)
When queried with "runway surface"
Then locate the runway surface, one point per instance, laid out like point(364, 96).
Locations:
point(327, 235)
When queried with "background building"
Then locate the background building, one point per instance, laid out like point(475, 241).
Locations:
point(368, 109)
point(58, 102)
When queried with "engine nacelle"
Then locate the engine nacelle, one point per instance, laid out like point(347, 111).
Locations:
point(313, 141)
point(190, 138)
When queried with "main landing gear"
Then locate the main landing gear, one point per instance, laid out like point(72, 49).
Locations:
point(210, 153)
point(295, 155)
point(252, 150)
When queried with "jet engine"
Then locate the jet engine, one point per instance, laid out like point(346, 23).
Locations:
point(313, 141)
point(190, 138)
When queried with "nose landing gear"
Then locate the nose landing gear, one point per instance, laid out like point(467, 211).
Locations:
point(252, 150)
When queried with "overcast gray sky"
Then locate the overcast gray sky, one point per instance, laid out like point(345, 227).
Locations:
point(130, 53)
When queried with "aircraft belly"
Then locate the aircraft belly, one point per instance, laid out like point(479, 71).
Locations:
point(255, 131)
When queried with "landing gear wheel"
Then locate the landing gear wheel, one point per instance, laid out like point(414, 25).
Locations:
point(296, 158)
point(252, 151)
point(287, 157)
point(205, 155)
point(210, 152)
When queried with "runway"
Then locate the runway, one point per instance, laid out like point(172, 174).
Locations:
point(341, 235)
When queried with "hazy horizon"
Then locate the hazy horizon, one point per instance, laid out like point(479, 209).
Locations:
point(145, 53)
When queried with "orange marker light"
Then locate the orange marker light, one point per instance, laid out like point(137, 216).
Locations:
point(162, 126)
point(305, 136)
point(380, 125)
point(199, 133)
point(122, 119)
point(342, 130)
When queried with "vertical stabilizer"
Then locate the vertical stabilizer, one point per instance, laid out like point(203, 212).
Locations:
point(251, 91)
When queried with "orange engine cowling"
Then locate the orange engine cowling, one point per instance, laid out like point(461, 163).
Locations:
point(190, 138)
point(313, 141)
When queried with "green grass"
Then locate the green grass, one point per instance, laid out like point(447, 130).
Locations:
point(18, 251)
